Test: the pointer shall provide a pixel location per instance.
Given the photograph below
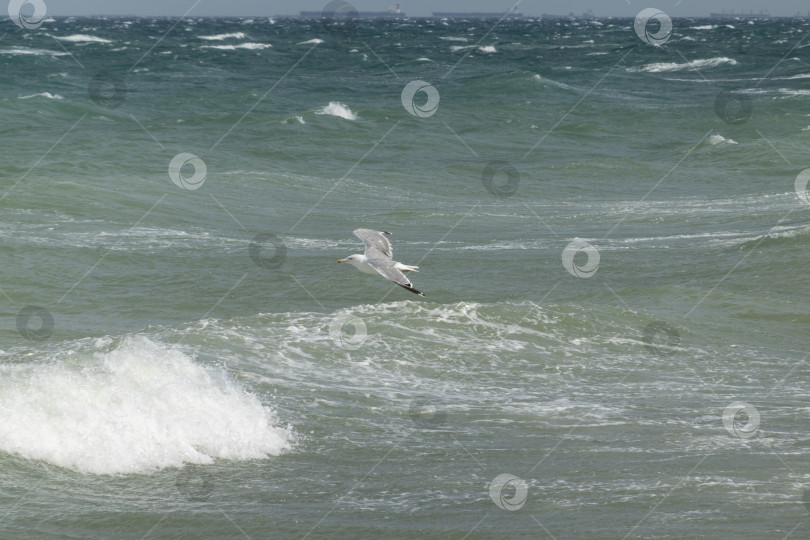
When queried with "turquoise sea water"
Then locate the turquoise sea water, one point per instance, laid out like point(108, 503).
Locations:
point(612, 240)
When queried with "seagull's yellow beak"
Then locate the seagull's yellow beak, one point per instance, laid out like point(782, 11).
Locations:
point(341, 260)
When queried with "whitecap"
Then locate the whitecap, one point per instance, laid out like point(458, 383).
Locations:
point(43, 94)
point(248, 46)
point(661, 67)
point(222, 37)
point(82, 38)
point(313, 41)
point(336, 108)
point(716, 139)
point(489, 49)
point(32, 52)
point(451, 38)
point(137, 408)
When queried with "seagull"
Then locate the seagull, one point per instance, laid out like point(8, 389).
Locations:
point(377, 259)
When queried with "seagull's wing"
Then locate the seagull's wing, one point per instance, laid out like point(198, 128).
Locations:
point(387, 269)
point(377, 245)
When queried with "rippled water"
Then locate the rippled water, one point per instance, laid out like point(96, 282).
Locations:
point(611, 235)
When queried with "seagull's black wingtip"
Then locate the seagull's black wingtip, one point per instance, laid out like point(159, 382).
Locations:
point(410, 288)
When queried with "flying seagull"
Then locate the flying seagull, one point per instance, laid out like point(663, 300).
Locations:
point(377, 259)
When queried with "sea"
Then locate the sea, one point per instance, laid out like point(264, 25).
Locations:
point(611, 222)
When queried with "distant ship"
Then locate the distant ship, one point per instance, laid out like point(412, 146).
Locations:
point(392, 11)
point(750, 15)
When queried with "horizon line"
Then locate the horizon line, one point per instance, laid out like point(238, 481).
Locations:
point(711, 15)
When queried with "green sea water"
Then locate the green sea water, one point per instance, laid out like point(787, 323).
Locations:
point(611, 235)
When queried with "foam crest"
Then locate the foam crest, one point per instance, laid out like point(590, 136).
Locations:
point(248, 46)
point(336, 108)
point(82, 38)
point(694, 65)
point(42, 94)
point(222, 37)
point(138, 408)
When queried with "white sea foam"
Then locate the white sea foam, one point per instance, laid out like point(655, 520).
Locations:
point(137, 408)
point(716, 139)
point(452, 38)
point(313, 41)
point(660, 67)
point(43, 94)
point(82, 38)
point(335, 108)
point(32, 52)
point(222, 37)
point(487, 49)
point(249, 46)
point(456, 48)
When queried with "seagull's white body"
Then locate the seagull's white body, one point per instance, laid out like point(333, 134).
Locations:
point(377, 259)
point(361, 263)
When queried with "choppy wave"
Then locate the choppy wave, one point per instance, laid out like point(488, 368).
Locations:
point(663, 67)
point(716, 139)
point(222, 37)
point(139, 407)
point(43, 94)
point(82, 38)
point(32, 52)
point(779, 235)
point(248, 46)
point(335, 108)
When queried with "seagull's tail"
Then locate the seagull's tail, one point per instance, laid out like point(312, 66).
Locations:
point(406, 267)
